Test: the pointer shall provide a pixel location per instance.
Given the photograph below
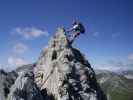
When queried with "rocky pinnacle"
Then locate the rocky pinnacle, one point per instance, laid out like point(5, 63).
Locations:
point(64, 73)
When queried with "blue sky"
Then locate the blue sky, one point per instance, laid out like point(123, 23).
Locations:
point(27, 25)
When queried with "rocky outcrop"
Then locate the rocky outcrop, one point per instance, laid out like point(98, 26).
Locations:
point(25, 88)
point(64, 72)
point(6, 81)
point(25, 68)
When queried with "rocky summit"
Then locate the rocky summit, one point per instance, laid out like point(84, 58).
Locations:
point(64, 72)
point(61, 73)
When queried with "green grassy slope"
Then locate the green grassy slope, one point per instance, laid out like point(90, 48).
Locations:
point(116, 87)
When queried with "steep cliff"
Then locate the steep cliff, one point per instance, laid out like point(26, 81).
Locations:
point(64, 72)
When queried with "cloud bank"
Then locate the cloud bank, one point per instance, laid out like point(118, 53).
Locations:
point(30, 32)
point(117, 64)
point(15, 61)
point(130, 57)
point(20, 48)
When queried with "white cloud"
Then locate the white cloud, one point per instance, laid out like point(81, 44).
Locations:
point(113, 67)
point(117, 64)
point(96, 34)
point(116, 35)
point(20, 48)
point(108, 67)
point(130, 57)
point(30, 32)
point(15, 61)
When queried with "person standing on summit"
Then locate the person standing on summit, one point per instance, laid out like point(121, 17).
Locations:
point(76, 29)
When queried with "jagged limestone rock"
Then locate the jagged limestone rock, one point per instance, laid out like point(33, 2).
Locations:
point(24, 88)
point(65, 73)
point(6, 81)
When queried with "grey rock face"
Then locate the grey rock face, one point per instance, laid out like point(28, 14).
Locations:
point(64, 72)
point(25, 68)
point(25, 88)
point(6, 81)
